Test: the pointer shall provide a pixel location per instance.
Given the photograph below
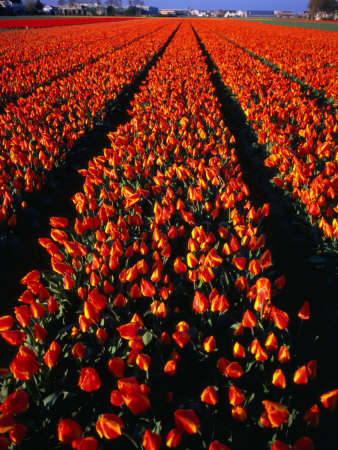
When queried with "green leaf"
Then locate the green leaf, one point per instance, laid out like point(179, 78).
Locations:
point(147, 337)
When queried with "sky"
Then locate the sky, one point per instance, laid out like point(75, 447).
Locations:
point(279, 5)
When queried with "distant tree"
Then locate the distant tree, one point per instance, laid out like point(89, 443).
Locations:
point(322, 5)
point(134, 4)
point(33, 6)
point(61, 2)
point(39, 6)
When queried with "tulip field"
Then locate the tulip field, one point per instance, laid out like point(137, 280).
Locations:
point(170, 313)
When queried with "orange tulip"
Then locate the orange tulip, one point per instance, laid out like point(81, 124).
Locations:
point(236, 396)
point(209, 344)
point(233, 370)
point(200, 302)
point(284, 355)
point(187, 421)
point(239, 413)
point(278, 379)
point(136, 401)
point(109, 426)
point(209, 395)
point(238, 350)
point(330, 399)
point(277, 413)
point(249, 319)
point(301, 376)
point(271, 343)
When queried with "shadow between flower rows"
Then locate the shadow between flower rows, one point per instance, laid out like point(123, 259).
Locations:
point(299, 253)
point(19, 248)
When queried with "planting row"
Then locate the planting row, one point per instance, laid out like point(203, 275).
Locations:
point(49, 22)
point(37, 132)
point(296, 131)
point(157, 325)
point(65, 55)
point(19, 47)
point(310, 56)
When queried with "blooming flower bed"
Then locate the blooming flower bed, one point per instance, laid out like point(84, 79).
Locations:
point(158, 325)
point(297, 131)
point(57, 22)
point(38, 131)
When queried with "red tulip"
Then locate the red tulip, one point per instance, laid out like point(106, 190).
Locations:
point(174, 438)
point(68, 430)
point(14, 337)
point(117, 366)
point(311, 416)
point(216, 445)
point(303, 443)
point(15, 403)
point(143, 361)
point(279, 445)
point(6, 323)
point(128, 331)
point(7, 423)
point(89, 379)
point(151, 441)
point(280, 318)
point(85, 443)
point(304, 312)
point(170, 367)
point(18, 433)
point(79, 350)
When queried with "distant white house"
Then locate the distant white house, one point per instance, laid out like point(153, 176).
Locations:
point(47, 9)
point(233, 13)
